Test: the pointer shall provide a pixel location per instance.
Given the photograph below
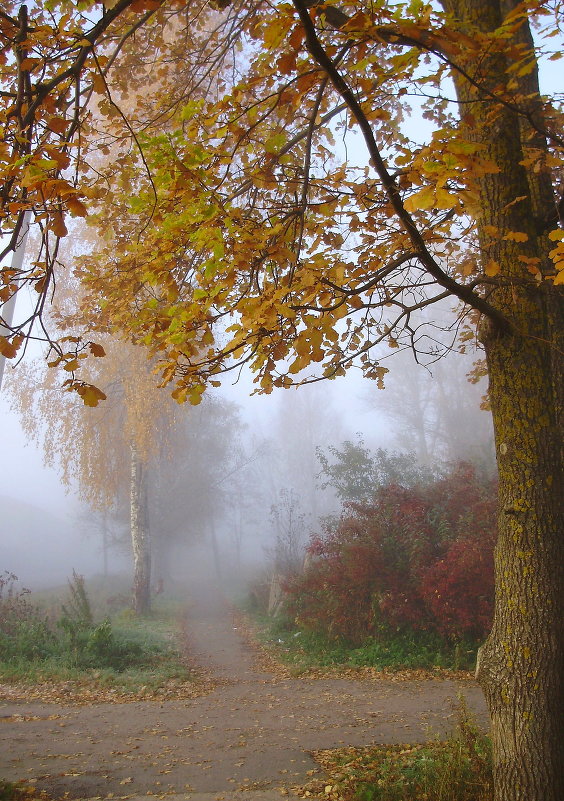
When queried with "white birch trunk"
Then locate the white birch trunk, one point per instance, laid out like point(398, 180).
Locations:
point(139, 536)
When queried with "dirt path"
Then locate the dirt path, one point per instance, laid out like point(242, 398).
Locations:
point(252, 733)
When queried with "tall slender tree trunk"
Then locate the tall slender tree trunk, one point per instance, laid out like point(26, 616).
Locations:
point(215, 548)
point(105, 542)
point(521, 665)
point(140, 535)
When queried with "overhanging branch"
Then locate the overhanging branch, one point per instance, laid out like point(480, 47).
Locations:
point(389, 183)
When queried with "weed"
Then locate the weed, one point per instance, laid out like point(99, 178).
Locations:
point(75, 646)
point(391, 650)
point(15, 792)
point(8, 791)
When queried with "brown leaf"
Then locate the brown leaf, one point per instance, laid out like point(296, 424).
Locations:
point(57, 224)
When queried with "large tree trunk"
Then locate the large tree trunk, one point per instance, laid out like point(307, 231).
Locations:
point(140, 536)
point(521, 666)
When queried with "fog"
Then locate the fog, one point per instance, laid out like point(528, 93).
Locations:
point(241, 477)
point(47, 529)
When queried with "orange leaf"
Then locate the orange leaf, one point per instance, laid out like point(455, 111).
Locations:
point(57, 224)
point(145, 5)
point(57, 124)
point(98, 83)
point(10, 349)
point(62, 159)
point(76, 207)
point(296, 37)
point(287, 63)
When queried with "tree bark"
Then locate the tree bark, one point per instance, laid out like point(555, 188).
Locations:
point(140, 536)
point(521, 665)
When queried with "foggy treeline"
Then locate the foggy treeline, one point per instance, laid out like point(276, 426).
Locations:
point(230, 490)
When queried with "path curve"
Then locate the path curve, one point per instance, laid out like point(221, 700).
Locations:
point(253, 732)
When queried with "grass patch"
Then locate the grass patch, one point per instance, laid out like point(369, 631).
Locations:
point(71, 645)
point(19, 792)
point(458, 769)
point(305, 650)
point(9, 791)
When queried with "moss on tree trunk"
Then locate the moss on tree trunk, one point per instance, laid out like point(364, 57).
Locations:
point(521, 666)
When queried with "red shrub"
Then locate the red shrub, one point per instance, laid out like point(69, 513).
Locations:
point(418, 558)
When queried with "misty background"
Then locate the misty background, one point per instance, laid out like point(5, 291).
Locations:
point(243, 473)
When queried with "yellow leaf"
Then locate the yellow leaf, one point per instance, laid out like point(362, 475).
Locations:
point(179, 394)
point(378, 114)
point(516, 236)
point(90, 394)
point(446, 200)
point(492, 268)
point(491, 230)
point(423, 199)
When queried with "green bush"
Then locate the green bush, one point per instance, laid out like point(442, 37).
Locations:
point(28, 640)
point(415, 650)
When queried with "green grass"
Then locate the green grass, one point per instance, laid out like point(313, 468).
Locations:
point(458, 769)
point(15, 792)
point(8, 791)
point(62, 640)
point(304, 650)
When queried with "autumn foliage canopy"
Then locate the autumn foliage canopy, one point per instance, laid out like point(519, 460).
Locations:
point(201, 140)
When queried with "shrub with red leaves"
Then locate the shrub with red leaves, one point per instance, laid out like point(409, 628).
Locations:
point(418, 558)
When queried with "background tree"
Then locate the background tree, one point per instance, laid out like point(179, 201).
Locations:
point(436, 412)
point(105, 452)
point(196, 482)
point(290, 527)
point(355, 472)
point(302, 422)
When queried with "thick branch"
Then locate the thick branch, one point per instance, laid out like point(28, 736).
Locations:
point(391, 189)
